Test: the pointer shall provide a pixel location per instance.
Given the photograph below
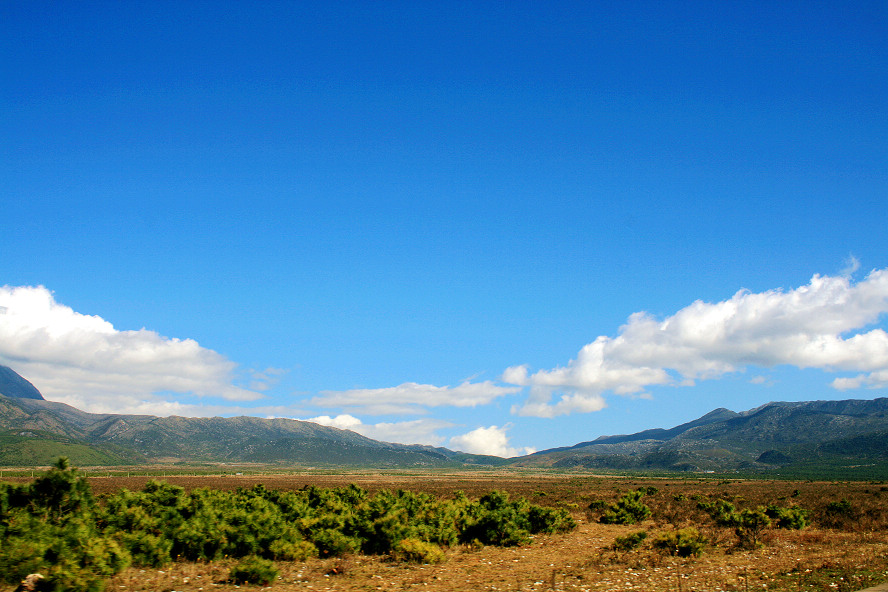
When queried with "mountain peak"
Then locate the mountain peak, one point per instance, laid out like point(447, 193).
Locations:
point(15, 387)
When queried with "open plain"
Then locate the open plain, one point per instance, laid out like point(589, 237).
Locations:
point(844, 551)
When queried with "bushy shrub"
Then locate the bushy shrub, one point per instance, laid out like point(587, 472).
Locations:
point(49, 527)
point(722, 511)
point(840, 508)
point(283, 550)
point(253, 570)
point(549, 520)
point(630, 542)
point(838, 514)
point(626, 510)
point(749, 525)
point(597, 504)
point(145, 548)
point(54, 526)
point(60, 493)
point(417, 551)
point(495, 520)
point(685, 542)
point(792, 518)
point(333, 543)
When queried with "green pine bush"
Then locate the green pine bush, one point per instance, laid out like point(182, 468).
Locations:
point(630, 542)
point(253, 570)
point(685, 542)
point(417, 551)
point(627, 510)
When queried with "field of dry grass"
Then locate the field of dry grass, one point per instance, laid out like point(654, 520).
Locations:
point(845, 552)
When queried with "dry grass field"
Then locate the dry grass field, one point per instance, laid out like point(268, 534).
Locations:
point(842, 552)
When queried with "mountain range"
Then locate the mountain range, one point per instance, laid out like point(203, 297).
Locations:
point(813, 438)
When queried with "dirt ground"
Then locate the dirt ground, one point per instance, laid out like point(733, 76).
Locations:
point(844, 557)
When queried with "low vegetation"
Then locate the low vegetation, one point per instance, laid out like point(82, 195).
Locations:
point(54, 526)
point(402, 530)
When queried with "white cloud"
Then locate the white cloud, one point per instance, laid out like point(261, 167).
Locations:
point(851, 265)
point(84, 361)
point(419, 431)
point(411, 397)
point(814, 326)
point(492, 441)
point(263, 380)
point(873, 380)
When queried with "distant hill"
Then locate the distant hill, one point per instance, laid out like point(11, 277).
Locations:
point(35, 432)
point(15, 387)
point(814, 439)
point(806, 437)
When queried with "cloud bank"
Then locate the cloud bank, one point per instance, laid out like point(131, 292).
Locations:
point(418, 431)
point(492, 441)
point(818, 325)
point(83, 360)
point(410, 397)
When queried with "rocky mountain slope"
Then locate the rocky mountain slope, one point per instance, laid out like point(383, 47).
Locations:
point(34, 431)
point(13, 385)
point(813, 438)
point(802, 435)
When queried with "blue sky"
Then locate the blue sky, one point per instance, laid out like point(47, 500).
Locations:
point(418, 219)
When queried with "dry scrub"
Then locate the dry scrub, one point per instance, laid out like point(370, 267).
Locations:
point(844, 549)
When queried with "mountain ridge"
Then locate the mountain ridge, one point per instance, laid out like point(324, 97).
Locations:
point(12, 384)
point(812, 436)
point(148, 438)
point(776, 435)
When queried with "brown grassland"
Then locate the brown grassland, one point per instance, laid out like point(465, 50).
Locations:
point(845, 552)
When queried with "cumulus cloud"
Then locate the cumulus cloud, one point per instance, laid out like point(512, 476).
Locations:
point(873, 380)
point(419, 431)
point(411, 397)
point(851, 265)
point(84, 361)
point(818, 325)
point(492, 441)
point(263, 380)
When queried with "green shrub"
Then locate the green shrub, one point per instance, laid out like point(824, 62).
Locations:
point(722, 511)
point(630, 542)
point(333, 543)
point(253, 570)
point(749, 525)
point(145, 548)
point(626, 510)
point(54, 526)
point(549, 520)
point(838, 514)
point(496, 520)
point(49, 526)
point(793, 518)
point(60, 493)
point(841, 508)
point(685, 542)
point(283, 550)
point(417, 551)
